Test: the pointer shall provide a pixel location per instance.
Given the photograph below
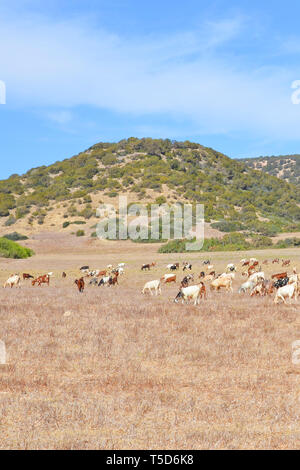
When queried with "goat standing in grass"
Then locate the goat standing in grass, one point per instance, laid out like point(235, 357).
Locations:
point(191, 293)
point(289, 291)
point(152, 285)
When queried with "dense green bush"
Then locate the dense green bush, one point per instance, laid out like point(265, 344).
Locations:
point(75, 222)
point(87, 213)
point(80, 233)
point(11, 249)
point(15, 236)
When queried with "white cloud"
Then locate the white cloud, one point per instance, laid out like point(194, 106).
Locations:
point(66, 64)
point(60, 117)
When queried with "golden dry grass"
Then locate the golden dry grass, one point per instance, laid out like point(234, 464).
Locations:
point(126, 371)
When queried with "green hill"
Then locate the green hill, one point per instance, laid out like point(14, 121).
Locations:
point(236, 197)
point(286, 167)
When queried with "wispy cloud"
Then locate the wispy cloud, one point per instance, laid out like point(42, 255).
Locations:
point(64, 64)
point(60, 117)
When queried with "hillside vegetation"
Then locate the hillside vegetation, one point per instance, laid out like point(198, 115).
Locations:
point(231, 242)
point(11, 249)
point(286, 167)
point(236, 197)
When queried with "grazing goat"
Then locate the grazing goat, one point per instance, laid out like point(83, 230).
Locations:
point(145, 266)
point(185, 281)
point(166, 278)
point(187, 266)
point(104, 280)
point(207, 277)
point(276, 260)
point(245, 262)
point(80, 284)
point(45, 279)
point(84, 268)
point(13, 280)
point(191, 293)
point(148, 266)
point(152, 285)
point(263, 288)
point(64, 275)
point(256, 277)
point(279, 276)
point(289, 291)
point(102, 273)
point(228, 275)
point(286, 262)
point(253, 260)
point(27, 276)
point(222, 281)
point(251, 270)
point(113, 280)
point(247, 285)
point(230, 267)
point(257, 290)
point(281, 282)
point(173, 267)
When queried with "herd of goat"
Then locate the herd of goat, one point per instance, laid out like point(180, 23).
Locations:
point(284, 285)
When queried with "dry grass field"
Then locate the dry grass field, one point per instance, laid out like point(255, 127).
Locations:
point(112, 369)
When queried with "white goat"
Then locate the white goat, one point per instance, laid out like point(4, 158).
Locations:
point(13, 280)
point(247, 285)
point(288, 291)
point(225, 280)
point(260, 276)
point(152, 285)
point(189, 293)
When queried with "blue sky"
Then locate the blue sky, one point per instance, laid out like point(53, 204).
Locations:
point(82, 71)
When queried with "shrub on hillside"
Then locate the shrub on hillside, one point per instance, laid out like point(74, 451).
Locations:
point(11, 249)
point(10, 221)
point(15, 236)
point(288, 242)
point(228, 225)
point(21, 212)
point(80, 233)
point(230, 242)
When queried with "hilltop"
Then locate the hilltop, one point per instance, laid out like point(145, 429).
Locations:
point(67, 193)
point(286, 167)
